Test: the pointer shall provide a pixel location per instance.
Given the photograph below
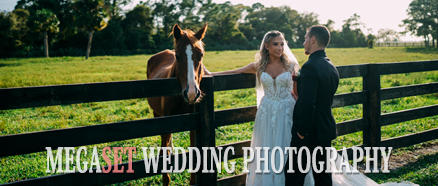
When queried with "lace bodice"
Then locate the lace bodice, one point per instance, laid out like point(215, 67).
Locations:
point(279, 88)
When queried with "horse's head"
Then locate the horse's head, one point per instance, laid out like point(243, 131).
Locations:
point(189, 51)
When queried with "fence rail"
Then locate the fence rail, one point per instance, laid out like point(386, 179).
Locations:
point(402, 44)
point(204, 120)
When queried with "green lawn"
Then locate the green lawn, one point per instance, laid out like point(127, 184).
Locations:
point(68, 70)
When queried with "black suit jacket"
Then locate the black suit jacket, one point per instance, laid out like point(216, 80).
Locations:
point(317, 84)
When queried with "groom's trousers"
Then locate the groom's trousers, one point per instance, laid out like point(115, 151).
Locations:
point(297, 178)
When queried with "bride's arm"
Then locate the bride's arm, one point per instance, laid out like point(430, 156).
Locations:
point(206, 72)
point(251, 68)
point(295, 92)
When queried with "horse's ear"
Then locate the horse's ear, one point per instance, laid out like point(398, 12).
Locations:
point(201, 33)
point(177, 32)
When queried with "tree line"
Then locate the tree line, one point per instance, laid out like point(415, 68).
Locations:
point(422, 20)
point(37, 28)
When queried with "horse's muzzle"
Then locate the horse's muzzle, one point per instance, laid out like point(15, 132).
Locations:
point(191, 97)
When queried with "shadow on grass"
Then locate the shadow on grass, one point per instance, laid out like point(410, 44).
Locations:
point(423, 171)
point(9, 64)
point(424, 50)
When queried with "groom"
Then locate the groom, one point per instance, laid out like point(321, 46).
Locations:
point(313, 122)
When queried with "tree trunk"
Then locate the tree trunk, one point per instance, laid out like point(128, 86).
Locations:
point(158, 27)
point(114, 7)
point(426, 42)
point(436, 35)
point(90, 38)
point(165, 27)
point(436, 39)
point(46, 44)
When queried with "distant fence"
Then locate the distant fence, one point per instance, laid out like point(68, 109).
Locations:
point(205, 119)
point(401, 44)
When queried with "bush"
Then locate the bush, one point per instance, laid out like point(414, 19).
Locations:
point(370, 43)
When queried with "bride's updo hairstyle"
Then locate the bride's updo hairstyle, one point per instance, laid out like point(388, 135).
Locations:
point(262, 56)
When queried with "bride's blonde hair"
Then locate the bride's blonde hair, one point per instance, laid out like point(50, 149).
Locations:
point(262, 56)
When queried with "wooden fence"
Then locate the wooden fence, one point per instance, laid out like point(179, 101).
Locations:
point(403, 44)
point(204, 120)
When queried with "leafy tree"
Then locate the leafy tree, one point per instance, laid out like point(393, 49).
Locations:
point(330, 24)
point(137, 28)
point(146, 28)
point(20, 18)
point(351, 33)
point(223, 31)
point(61, 8)
point(91, 16)
point(44, 21)
point(387, 35)
point(111, 40)
point(305, 21)
point(261, 20)
point(33, 39)
point(371, 38)
point(257, 6)
point(67, 35)
point(6, 25)
point(188, 10)
point(13, 30)
point(115, 6)
point(336, 39)
point(166, 14)
point(354, 22)
point(423, 19)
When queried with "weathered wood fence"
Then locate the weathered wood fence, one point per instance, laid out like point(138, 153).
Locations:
point(204, 120)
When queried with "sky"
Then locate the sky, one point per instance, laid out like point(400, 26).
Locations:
point(375, 14)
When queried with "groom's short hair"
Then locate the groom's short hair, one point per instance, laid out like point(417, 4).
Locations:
point(321, 33)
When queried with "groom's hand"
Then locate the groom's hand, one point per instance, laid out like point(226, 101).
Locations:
point(301, 137)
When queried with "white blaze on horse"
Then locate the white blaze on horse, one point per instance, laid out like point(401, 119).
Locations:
point(184, 63)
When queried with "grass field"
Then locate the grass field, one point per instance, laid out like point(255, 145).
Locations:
point(68, 70)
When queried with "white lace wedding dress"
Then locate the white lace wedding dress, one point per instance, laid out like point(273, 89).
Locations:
point(272, 128)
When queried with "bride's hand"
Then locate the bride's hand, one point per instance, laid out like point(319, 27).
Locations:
point(206, 72)
point(294, 96)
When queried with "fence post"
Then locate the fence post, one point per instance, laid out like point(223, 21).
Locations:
point(205, 134)
point(372, 108)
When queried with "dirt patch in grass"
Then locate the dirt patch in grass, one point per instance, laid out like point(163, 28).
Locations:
point(405, 156)
point(409, 156)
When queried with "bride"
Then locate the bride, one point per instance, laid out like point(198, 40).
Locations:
point(276, 96)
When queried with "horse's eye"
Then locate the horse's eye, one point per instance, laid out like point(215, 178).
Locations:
point(201, 55)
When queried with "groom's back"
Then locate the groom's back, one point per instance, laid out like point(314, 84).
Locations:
point(328, 80)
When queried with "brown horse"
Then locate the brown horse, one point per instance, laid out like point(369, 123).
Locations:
point(185, 63)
